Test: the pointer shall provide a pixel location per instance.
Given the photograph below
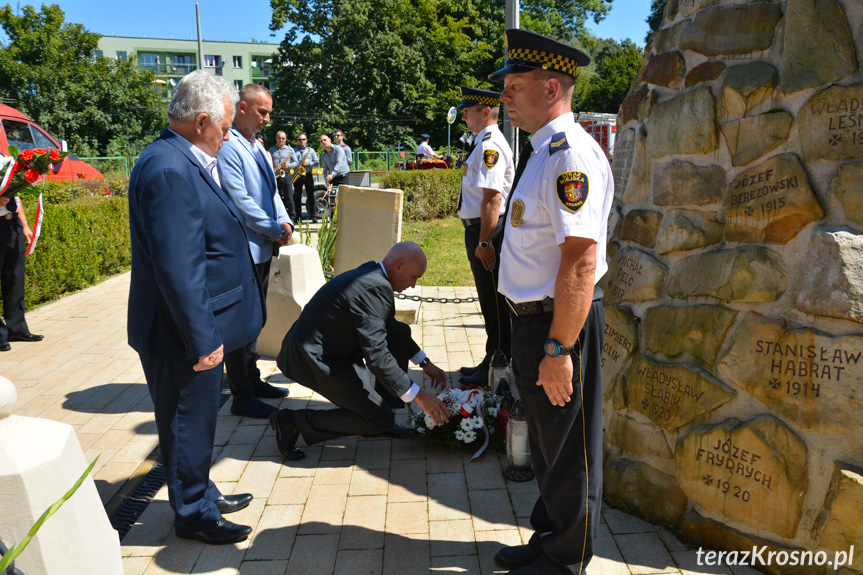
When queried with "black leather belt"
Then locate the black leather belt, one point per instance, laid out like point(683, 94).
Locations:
point(544, 305)
point(471, 222)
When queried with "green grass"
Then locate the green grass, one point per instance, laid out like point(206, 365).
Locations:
point(443, 243)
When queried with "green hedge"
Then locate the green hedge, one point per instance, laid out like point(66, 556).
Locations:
point(84, 239)
point(429, 194)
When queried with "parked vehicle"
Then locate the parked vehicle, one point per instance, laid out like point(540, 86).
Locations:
point(16, 129)
point(320, 187)
point(603, 128)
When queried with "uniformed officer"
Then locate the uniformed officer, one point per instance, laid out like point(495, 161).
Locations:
point(15, 234)
point(553, 255)
point(488, 174)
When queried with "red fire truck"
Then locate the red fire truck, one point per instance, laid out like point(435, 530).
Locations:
point(603, 128)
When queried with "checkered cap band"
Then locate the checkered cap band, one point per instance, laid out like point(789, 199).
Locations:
point(544, 60)
point(484, 100)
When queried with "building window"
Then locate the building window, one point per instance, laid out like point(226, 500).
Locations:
point(238, 61)
point(121, 55)
point(238, 84)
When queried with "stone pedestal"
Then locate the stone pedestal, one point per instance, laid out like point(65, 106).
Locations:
point(40, 460)
point(370, 223)
point(294, 278)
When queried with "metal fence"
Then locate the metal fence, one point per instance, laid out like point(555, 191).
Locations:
point(113, 166)
point(377, 161)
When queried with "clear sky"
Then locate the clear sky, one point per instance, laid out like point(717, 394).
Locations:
point(223, 19)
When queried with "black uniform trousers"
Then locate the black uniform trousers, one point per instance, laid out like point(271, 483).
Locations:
point(12, 247)
point(242, 363)
point(286, 192)
point(565, 443)
point(491, 303)
point(361, 408)
point(307, 182)
point(186, 405)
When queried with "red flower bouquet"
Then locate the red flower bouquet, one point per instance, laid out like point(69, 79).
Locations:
point(21, 170)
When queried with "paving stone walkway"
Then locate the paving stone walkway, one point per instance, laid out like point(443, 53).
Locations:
point(353, 506)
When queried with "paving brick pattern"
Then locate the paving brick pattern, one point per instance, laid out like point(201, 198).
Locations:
point(353, 506)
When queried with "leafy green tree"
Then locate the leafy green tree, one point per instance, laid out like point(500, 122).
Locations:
point(98, 105)
point(616, 65)
point(654, 19)
point(386, 70)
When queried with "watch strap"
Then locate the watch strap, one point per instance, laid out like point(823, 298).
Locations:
point(425, 361)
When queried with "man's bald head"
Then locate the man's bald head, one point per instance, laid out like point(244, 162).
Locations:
point(405, 263)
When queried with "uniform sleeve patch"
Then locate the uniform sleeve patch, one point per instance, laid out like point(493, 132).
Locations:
point(490, 158)
point(558, 142)
point(486, 137)
point(572, 190)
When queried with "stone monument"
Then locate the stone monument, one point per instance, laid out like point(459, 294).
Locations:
point(733, 356)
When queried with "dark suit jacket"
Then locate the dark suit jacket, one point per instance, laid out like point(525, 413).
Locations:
point(343, 324)
point(193, 286)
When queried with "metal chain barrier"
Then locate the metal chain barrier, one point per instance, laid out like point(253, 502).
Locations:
point(437, 299)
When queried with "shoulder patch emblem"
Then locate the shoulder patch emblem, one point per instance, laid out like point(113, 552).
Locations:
point(486, 137)
point(572, 188)
point(558, 143)
point(490, 158)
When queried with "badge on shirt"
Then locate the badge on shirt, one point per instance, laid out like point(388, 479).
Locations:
point(486, 137)
point(572, 190)
point(558, 142)
point(516, 212)
point(490, 158)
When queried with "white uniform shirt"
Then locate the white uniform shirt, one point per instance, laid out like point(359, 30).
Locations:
point(425, 150)
point(566, 190)
point(488, 166)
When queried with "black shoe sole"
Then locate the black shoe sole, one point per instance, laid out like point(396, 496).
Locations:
point(228, 541)
point(286, 448)
point(271, 393)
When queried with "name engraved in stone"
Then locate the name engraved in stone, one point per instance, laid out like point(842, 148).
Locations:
point(842, 116)
point(772, 187)
point(626, 275)
point(808, 361)
point(609, 349)
point(624, 156)
point(740, 462)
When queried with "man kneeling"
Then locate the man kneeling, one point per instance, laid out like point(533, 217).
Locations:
point(350, 324)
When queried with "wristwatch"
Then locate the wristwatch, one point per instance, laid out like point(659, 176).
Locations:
point(553, 348)
point(425, 361)
point(484, 244)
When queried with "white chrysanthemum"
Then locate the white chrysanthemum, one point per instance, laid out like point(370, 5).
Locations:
point(460, 435)
point(476, 422)
point(492, 411)
point(466, 424)
point(469, 436)
point(429, 421)
point(453, 408)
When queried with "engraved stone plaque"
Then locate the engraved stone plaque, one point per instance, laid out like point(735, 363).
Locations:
point(672, 395)
point(831, 124)
point(633, 275)
point(811, 378)
point(770, 202)
point(753, 472)
point(619, 342)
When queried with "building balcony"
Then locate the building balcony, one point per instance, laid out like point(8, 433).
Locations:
point(170, 70)
point(261, 72)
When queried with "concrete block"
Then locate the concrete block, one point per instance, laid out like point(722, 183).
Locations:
point(370, 222)
point(295, 276)
point(40, 460)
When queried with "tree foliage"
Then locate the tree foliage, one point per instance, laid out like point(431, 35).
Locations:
point(616, 65)
point(99, 105)
point(387, 70)
point(654, 19)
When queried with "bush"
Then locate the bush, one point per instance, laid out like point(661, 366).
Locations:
point(83, 240)
point(429, 194)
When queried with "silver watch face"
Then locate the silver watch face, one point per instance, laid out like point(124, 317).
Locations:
point(484, 244)
point(551, 349)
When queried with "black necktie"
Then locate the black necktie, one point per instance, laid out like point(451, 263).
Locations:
point(461, 191)
point(526, 151)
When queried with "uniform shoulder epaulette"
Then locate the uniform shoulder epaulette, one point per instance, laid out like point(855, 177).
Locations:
point(486, 137)
point(558, 142)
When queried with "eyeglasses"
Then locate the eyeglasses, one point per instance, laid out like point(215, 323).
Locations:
point(337, 135)
point(301, 139)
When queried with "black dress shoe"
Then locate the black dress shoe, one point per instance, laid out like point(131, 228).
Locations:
point(516, 556)
point(222, 533)
point(4, 346)
point(232, 503)
point(25, 336)
point(254, 408)
point(480, 377)
point(473, 370)
point(286, 434)
point(400, 432)
point(264, 390)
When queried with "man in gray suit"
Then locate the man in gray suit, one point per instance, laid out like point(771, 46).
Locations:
point(348, 325)
point(247, 176)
